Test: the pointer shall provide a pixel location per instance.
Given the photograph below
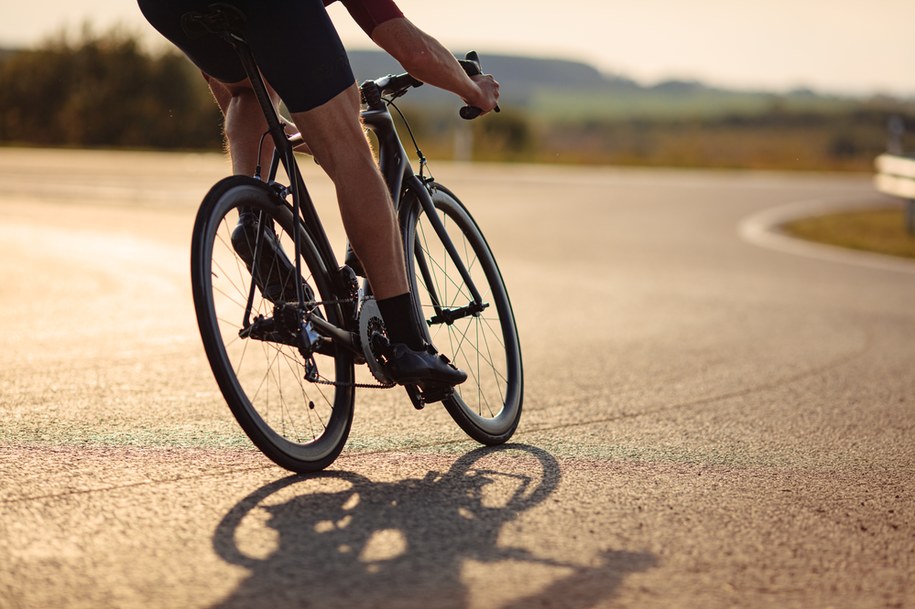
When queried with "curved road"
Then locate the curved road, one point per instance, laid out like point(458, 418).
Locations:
point(713, 419)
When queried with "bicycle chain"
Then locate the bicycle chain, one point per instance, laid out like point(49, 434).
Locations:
point(354, 385)
point(316, 303)
point(320, 381)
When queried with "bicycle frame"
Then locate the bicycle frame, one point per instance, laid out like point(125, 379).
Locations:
point(395, 168)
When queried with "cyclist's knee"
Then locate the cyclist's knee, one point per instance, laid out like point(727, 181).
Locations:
point(335, 134)
point(348, 163)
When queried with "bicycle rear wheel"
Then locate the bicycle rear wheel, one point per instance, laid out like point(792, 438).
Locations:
point(249, 337)
point(484, 343)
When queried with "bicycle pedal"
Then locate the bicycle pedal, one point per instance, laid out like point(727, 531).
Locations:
point(433, 392)
point(415, 398)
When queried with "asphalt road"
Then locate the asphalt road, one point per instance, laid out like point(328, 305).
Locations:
point(714, 417)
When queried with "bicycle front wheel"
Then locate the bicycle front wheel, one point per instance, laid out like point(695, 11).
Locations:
point(250, 333)
point(469, 318)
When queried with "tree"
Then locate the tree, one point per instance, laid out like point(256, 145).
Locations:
point(104, 90)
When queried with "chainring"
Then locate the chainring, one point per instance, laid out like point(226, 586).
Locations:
point(370, 322)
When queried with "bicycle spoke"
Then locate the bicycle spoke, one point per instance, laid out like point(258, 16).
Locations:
point(293, 364)
point(456, 283)
point(429, 257)
point(498, 381)
point(239, 266)
point(488, 360)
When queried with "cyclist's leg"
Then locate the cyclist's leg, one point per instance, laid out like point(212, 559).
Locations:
point(223, 71)
point(245, 124)
point(319, 89)
point(301, 55)
point(335, 136)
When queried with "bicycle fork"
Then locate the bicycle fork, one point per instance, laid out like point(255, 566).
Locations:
point(442, 313)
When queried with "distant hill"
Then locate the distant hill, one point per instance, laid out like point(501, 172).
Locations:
point(520, 77)
point(557, 88)
point(515, 72)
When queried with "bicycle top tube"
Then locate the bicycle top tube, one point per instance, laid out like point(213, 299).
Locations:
point(373, 94)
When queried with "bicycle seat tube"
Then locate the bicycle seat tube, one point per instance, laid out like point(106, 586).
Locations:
point(301, 201)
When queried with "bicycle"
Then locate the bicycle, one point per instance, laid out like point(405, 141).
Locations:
point(286, 362)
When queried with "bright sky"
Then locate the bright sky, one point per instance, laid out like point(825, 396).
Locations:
point(832, 45)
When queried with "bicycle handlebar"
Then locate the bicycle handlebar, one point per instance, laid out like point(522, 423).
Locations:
point(395, 85)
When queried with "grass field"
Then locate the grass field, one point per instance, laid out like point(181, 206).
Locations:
point(882, 231)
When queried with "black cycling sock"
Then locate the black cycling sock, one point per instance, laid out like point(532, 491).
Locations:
point(399, 321)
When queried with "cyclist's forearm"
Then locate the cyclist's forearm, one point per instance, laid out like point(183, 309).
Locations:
point(429, 61)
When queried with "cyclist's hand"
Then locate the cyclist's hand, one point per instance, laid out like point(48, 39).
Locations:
point(487, 97)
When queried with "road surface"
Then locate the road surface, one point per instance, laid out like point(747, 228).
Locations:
point(713, 416)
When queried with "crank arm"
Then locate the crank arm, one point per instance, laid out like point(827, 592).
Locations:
point(340, 337)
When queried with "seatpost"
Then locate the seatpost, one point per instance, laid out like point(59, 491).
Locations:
point(281, 142)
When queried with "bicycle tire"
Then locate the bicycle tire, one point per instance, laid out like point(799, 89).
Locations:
point(300, 425)
point(485, 345)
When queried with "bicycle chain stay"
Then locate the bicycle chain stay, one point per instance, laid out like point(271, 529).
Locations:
point(320, 381)
point(311, 373)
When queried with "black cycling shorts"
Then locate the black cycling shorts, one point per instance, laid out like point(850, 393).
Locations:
point(294, 43)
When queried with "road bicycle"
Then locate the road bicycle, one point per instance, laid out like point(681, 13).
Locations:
point(286, 363)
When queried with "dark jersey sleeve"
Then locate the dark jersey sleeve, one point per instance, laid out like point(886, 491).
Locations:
point(369, 14)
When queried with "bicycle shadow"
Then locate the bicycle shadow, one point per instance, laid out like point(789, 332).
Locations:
point(343, 540)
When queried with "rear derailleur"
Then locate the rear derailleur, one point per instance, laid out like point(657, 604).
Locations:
point(289, 325)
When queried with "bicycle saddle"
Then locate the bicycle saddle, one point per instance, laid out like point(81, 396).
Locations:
point(218, 18)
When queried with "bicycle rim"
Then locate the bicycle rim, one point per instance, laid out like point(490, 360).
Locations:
point(300, 425)
point(485, 345)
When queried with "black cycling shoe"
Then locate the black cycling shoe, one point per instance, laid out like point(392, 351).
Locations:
point(275, 274)
point(424, 368)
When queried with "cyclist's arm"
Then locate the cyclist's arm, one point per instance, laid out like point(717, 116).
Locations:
point(429, 61)
point(420, 54)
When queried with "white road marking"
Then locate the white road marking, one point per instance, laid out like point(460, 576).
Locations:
point(762, 229)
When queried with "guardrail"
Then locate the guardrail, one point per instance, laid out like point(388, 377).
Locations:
point(896, 177)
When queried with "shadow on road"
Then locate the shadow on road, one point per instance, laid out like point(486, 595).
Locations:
point(340, 539)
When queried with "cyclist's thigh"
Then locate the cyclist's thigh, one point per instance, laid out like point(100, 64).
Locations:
point(294, 43)
point(208, 52)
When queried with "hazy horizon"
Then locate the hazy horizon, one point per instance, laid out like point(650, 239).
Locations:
point(843, 46)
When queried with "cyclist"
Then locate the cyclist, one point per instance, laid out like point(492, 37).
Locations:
point(304, 63)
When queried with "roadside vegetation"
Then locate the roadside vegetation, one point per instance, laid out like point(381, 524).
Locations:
point(106, 90)
point(882, 231)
